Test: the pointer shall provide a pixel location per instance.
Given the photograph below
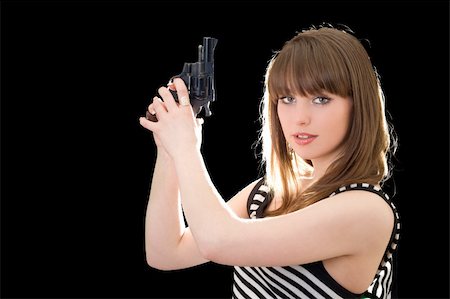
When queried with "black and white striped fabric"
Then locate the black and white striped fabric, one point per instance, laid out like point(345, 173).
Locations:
point(310, 280)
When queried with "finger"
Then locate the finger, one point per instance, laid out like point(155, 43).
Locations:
point(184, 101)
point(151, 109)
point(148, 124)
point(159, 107)
point(171, 86)
point(168, 98)
point(181, 88)
point(200, 121)
point(151, 113)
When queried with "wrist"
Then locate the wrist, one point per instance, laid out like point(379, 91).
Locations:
point(186, 155)
point(162, 154)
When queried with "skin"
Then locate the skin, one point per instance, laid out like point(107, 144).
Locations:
point(326, 116)
point(349, 232)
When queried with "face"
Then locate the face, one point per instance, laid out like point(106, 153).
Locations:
point(315, 126)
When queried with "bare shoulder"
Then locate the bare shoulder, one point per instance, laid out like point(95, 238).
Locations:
point(238, 203)
point(352, 224)
point(365, 202)
point(370, 211)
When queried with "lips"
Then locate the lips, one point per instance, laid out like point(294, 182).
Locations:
point(304, 138)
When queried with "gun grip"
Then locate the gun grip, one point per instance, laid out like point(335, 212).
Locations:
point(150, 116)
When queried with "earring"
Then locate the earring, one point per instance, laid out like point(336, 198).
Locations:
point(290, 151)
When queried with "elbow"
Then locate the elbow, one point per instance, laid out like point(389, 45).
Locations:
point(208, 252)
point(157, 261)
point(217, 241)
point(210, 247)
point(154, 262)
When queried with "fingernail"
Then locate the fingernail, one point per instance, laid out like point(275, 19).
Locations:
point(184, 101)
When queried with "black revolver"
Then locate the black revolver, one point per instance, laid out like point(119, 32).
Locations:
point(199, 79)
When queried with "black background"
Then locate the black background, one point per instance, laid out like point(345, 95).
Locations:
point(76, 165)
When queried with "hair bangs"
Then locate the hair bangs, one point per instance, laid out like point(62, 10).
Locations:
point(297, 70)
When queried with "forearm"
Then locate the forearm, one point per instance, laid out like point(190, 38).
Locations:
point(209, 218)
point(164, 224)
point(179, 132)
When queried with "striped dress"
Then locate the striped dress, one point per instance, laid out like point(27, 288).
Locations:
point(309, 280)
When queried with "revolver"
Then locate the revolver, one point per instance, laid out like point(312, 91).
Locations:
point(199, 79)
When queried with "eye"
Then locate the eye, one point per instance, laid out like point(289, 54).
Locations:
point(287, 100)
point(321, 100)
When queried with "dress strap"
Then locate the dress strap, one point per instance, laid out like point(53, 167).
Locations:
point(362, 186)
point(258, 199)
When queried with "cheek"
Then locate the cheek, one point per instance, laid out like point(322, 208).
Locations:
point(345, 120)
point(283, 116)
point(336, 124)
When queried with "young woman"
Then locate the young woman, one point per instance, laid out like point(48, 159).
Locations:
point(318, 224)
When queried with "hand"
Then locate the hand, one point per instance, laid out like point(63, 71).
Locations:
point(177, 130)
point(159, 146)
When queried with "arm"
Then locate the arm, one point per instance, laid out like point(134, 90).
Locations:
point(351, 223)
point(348, 224)
point(168, 243)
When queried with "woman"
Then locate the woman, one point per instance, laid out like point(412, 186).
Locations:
point(318, 224)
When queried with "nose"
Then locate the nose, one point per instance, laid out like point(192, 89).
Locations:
point(302, 113)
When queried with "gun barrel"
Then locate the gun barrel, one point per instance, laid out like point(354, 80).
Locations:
point(209, 44)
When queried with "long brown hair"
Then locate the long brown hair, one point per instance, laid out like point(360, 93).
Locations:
point(335, 61)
